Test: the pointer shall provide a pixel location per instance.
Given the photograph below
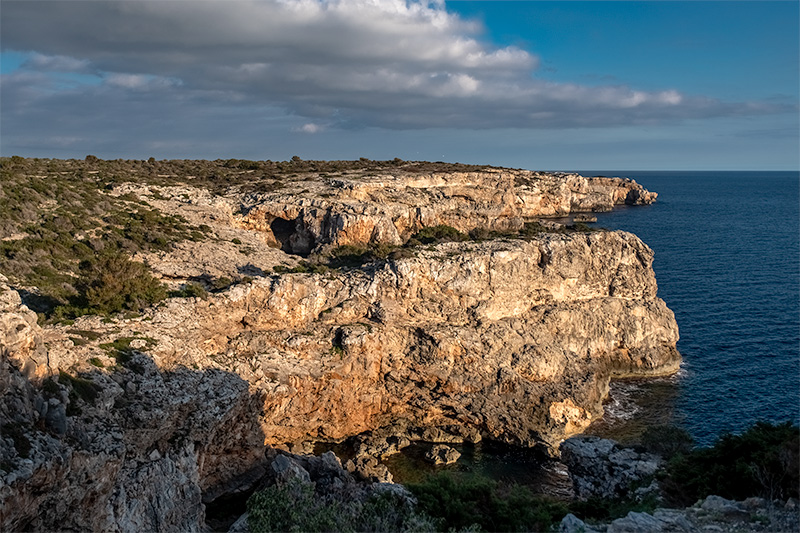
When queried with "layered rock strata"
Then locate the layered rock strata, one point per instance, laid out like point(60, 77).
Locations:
point(390, 208)
point(508, 339)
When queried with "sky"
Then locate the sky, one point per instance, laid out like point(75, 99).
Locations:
point(560, 85)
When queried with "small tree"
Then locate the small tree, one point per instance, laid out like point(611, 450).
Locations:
point(112, 283)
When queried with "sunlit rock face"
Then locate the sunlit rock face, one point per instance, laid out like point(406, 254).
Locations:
point(515, 339)
point(389, 208)
point(508, 339)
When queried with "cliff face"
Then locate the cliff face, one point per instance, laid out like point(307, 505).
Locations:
point(509, 339)
point(389, 208)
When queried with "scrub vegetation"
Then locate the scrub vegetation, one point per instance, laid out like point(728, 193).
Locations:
point(68, 227)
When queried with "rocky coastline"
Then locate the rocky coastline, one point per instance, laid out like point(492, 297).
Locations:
point(139, 423)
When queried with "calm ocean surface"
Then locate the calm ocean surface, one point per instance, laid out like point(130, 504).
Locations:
point(727, 261)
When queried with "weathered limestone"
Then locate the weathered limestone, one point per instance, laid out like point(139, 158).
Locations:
point(753, 515)
point(600, 468)
point(510, 339)
point(389, 208)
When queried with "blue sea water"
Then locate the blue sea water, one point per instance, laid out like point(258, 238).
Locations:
point(727, 261)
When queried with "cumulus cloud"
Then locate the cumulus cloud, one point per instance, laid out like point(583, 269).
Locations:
point(400, 64)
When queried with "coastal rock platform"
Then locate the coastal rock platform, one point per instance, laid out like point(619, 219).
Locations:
point(512, 339)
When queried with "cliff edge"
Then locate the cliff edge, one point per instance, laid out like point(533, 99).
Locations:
point(513, 338)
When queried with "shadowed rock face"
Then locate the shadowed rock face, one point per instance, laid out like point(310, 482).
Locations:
point(508, 339)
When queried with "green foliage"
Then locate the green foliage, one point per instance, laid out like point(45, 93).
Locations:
point(50, 388)
point(461, 501)
point(762, 461)
point(113, 283)
point(440, 233)
point(85, 333)
point(667, 441)
point(62, 214)
point(96, 362)
point(303, 267)
point(190, 290)
point(85, 389)
point(295, 507)
point(120, 349)
point(221, 283)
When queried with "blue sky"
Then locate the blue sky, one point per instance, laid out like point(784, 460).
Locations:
point(540, 85)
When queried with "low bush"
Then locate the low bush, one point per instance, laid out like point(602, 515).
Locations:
point(762, 461)
point(82, 388)
point(295, 507)
point(459, 501)
point(667, 441)
point(113, 283)
point(190, 290)
point(438, 234)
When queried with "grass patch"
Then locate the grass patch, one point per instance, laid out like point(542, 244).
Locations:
point(86, 334)
point(120, 349)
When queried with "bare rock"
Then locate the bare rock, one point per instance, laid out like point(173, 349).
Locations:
point(600, 468)
point(287, 470)
point(442, 455)
point(389, 208)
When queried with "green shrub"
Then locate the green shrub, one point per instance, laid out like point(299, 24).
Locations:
point(113, 283)
point(667, 441)
point(762, 461)
point(85, 389)
point(190, 290)
point(461, 501)
point(295, 507)
point(440, 233)
point(120, 349)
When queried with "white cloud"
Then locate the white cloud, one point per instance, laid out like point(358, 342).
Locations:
point(309, 128)
point(139, 81)
point(389, 63)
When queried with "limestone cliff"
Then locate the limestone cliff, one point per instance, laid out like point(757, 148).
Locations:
point(386, 208)
point(512, 339)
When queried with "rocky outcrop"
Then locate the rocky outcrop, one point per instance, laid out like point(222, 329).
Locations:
point(714, 513)
point(20, 336)
point(600, 468)
point(515, 339)
point(131, 449)
point(510, 339)
point(384, 208)
point(442, 454)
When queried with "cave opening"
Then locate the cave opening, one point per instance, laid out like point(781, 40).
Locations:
point(283, 230)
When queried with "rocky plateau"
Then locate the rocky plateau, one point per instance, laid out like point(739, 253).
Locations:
point(139, 423)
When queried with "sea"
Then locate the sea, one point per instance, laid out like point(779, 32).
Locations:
point(727, 262)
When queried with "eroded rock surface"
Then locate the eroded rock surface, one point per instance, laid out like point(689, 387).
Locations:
point(600, 468)
point(385, 208)
point(714, 513)
point(510, 339)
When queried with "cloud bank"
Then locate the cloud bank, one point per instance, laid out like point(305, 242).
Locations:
point(392, 64)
